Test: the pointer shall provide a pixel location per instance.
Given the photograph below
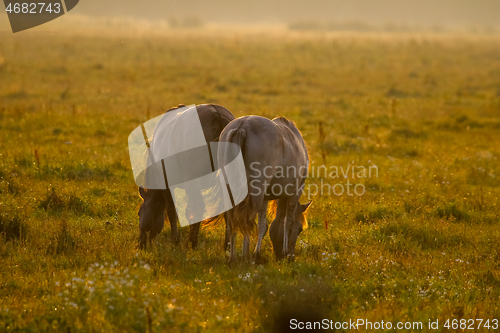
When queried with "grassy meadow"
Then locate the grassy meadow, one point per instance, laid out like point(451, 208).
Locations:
point(421, 243)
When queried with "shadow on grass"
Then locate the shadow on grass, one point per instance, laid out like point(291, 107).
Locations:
point(12, 227)
point(375, 214)
point(56, 203)
point(401, 237)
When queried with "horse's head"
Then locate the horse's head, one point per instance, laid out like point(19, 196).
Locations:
point(277, 233)
point(151, 214)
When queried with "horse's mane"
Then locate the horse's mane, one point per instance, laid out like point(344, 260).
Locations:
point(273, 209)
point(283, 120)
point(303, 220)
point(176, 107)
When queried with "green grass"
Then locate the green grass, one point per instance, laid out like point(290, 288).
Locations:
point(420, 244)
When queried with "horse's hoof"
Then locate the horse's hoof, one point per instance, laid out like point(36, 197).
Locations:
point(260, 261)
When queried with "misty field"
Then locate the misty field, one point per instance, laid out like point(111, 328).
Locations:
point(421, 242)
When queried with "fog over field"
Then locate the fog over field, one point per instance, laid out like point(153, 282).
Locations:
point(422, 13)
point(148, 16)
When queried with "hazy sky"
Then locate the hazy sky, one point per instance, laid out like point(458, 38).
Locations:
point(445, 13)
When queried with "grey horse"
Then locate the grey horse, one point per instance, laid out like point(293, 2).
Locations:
point(276, 162)
point(213, 119)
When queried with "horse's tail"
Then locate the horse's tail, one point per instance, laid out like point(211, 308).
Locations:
point(272, 210)
point(236, 136)
point(213, 221)
point(243, 214)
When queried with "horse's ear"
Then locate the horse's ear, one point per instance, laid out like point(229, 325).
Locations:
point(305, 206)
point(142, 192)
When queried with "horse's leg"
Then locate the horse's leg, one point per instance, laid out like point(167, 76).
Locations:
point(262, 229)
point(194, 214)
point(157, 228)
point(289, 221)
point(174, 231)
point(231, 234)
point(227, 235)
point(232, 246)
point(246, 242)
point(246, 247)
point(143, 239)
point(172, 216)
point(194, 230)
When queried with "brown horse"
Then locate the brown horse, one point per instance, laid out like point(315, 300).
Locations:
point(213, 119)
point(276, 162)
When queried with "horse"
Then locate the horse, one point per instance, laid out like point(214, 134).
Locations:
point(213, 119)
point(276, 163)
